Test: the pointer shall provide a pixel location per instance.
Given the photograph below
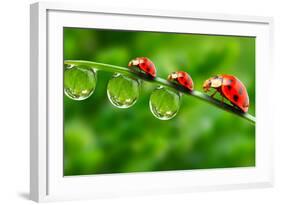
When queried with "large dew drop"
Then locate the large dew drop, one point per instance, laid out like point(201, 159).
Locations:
point(79, 82)
point(123, 91)
point(164, 103)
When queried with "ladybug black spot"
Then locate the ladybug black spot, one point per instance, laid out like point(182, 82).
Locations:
point(235, 98)
point(229, 87)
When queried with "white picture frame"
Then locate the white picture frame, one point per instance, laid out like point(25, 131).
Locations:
point(47, 182)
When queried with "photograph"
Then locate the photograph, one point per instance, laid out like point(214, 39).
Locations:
point(146, 101)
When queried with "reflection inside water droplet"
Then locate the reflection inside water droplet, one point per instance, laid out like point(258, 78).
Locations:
point(79, 82)
point(164, 103)
point(123, 91)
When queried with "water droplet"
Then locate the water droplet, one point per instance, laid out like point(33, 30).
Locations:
point(123, 91)
point(164, 103)
point(79, 82)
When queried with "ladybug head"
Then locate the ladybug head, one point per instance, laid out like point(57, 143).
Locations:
point(135, 62)
point(173, 76)
point(176, 75)
point(207, 85)
point(213, 82)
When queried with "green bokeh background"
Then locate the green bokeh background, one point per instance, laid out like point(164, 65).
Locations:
point(100, 138)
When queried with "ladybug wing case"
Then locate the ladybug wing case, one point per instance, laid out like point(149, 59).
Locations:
point(234, 90)
point(148, 67)
point(185, 80)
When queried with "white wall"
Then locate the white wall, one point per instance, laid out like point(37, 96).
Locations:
point(14, 100)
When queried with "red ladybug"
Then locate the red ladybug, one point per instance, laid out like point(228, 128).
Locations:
point(182, 78)
point(230, 88)
point(145, 65)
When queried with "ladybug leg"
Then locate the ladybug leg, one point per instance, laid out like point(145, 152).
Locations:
point(214, 94)
point(236, 107)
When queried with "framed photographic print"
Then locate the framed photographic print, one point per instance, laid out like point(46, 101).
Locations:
point(127, 102)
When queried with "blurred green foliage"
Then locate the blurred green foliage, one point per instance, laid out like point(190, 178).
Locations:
point(100, 138)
